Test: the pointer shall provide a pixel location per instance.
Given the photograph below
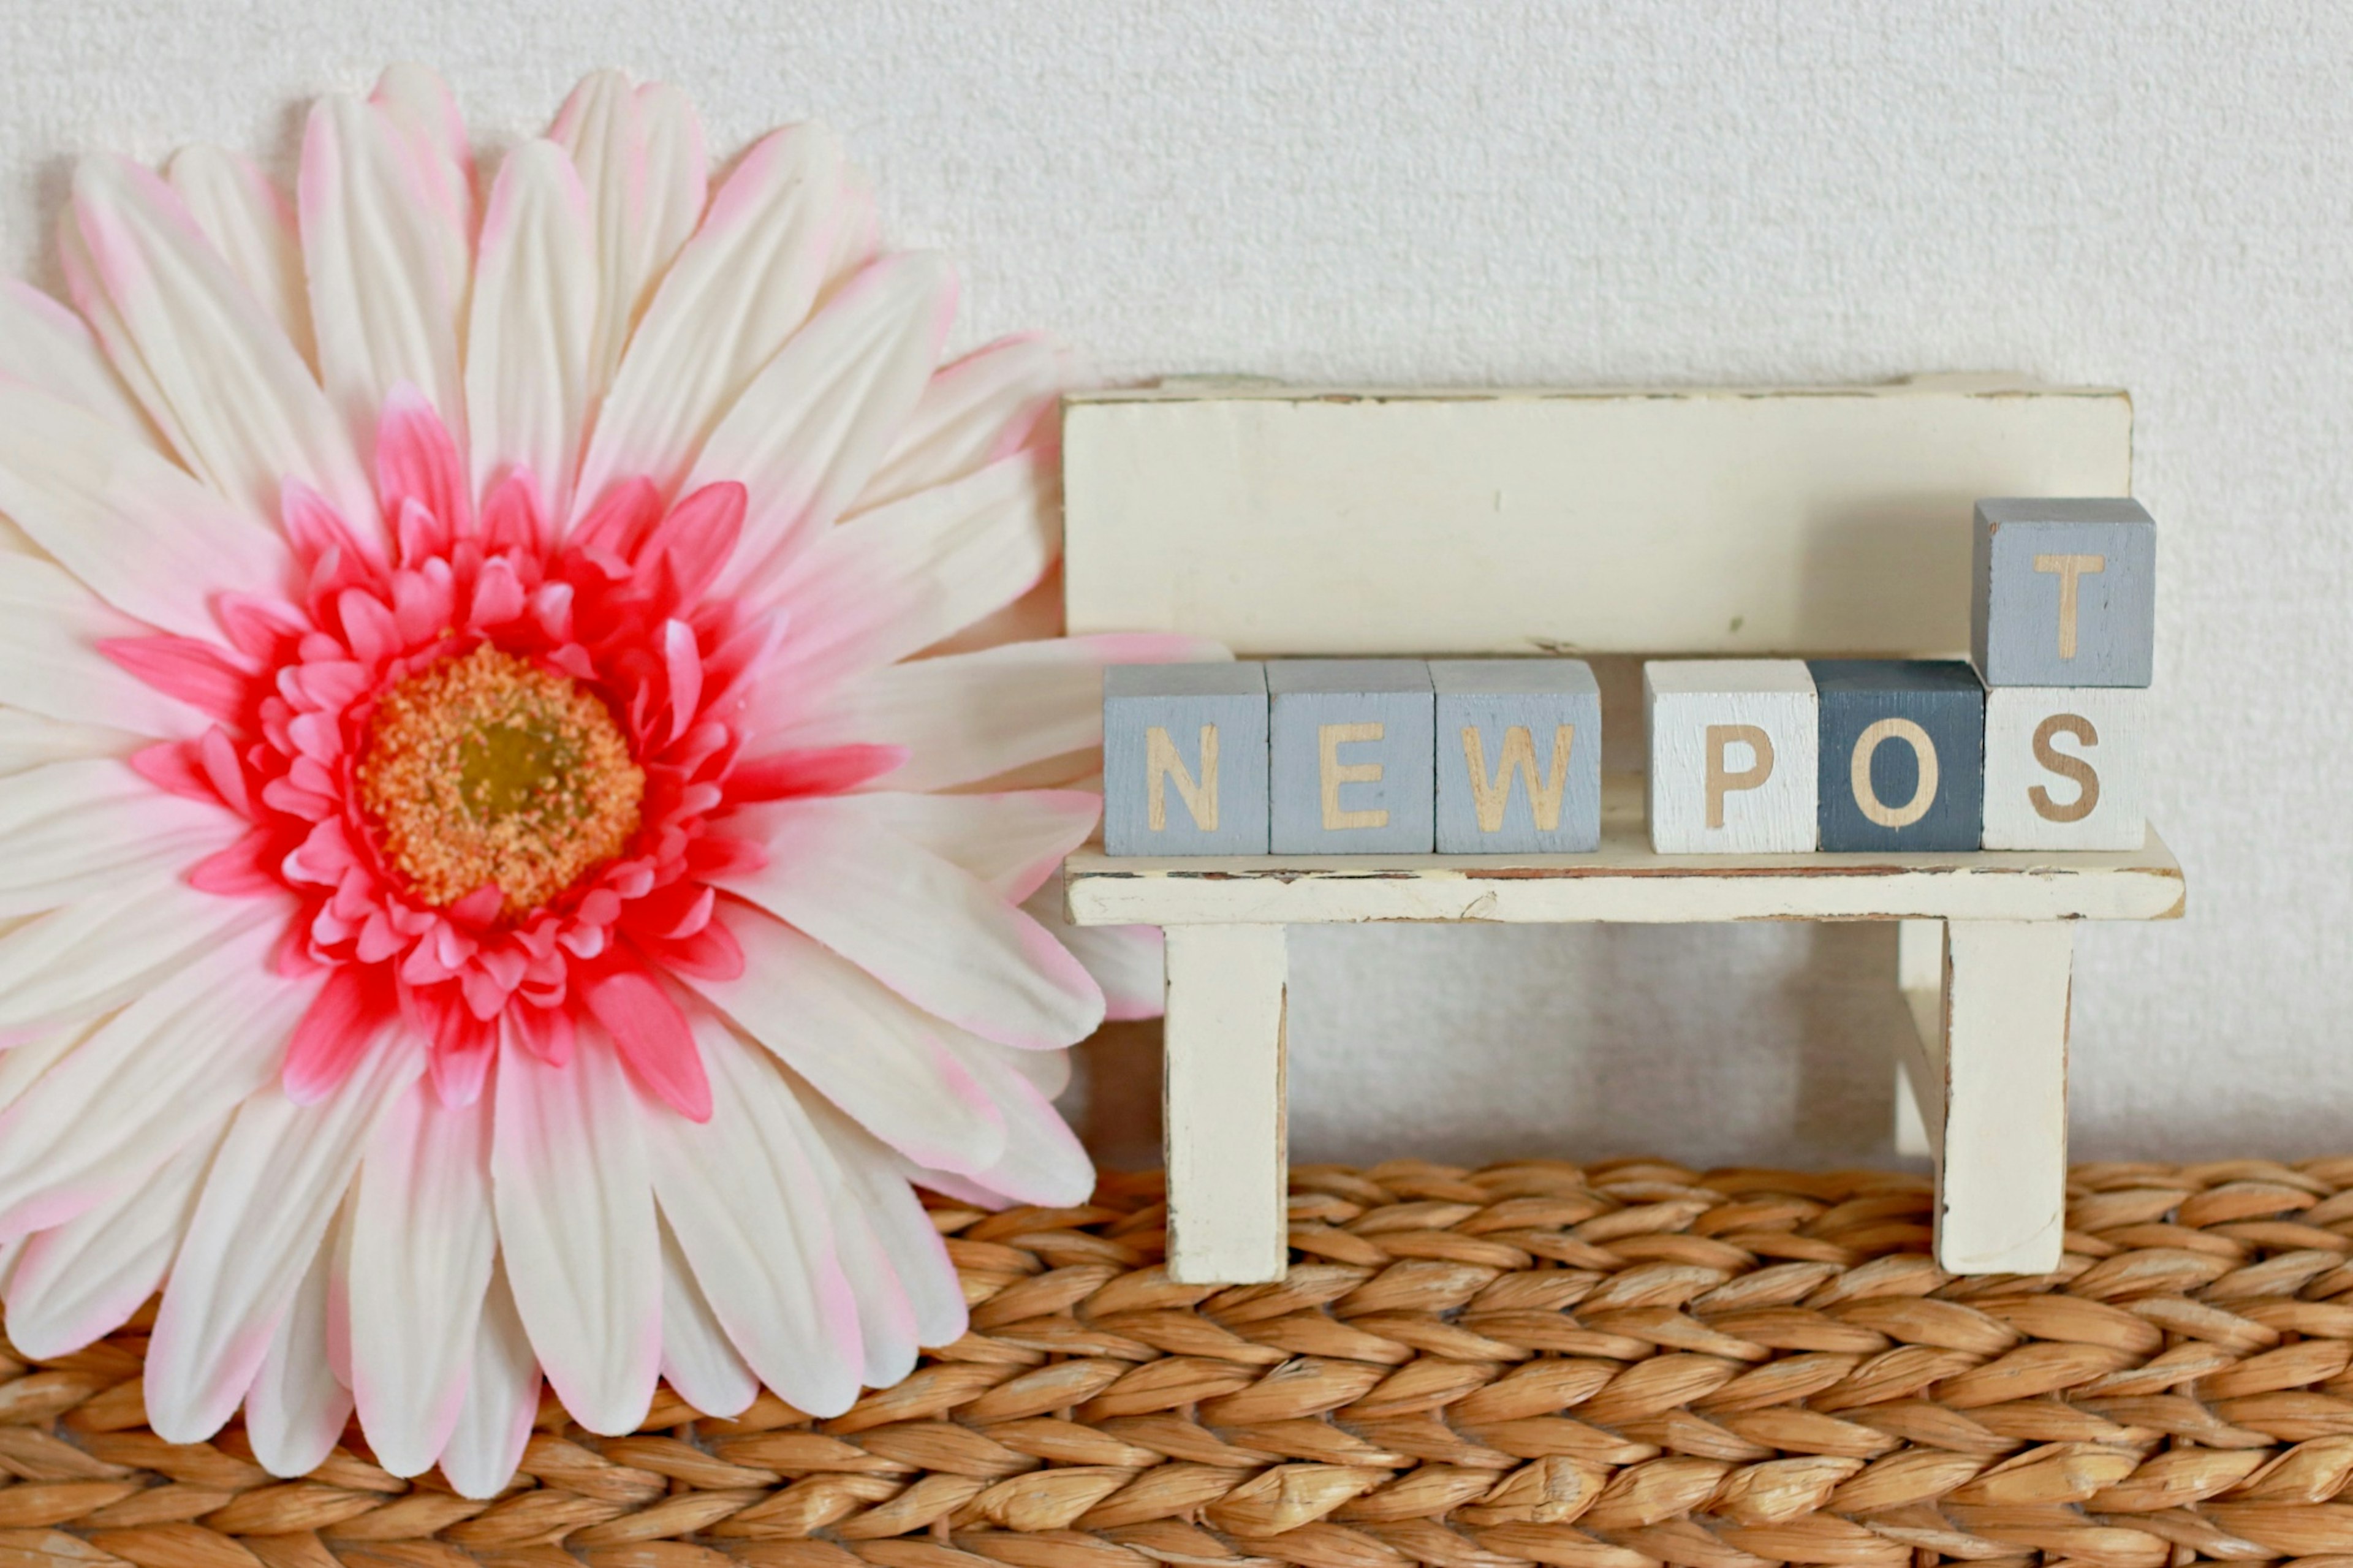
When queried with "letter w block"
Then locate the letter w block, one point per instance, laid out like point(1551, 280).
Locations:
point(1184, 758)
point(1519, 756)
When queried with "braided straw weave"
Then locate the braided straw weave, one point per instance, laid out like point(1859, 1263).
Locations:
point(1610, 1366)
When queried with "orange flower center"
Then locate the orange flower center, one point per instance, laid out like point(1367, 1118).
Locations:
point(488, 769)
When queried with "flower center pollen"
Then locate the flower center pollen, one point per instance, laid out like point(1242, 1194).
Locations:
point(488, 769)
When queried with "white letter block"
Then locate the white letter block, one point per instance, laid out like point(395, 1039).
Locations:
point(1733, 755)
point(2064, 767)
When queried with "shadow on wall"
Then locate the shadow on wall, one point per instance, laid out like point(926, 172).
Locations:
point(1713, 1044)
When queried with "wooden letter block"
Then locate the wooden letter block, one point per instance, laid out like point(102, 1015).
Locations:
point(2065, 593)
point(1902, 753)
point(1184, 758)
point(1519, 756)
point(1733, 755)
point(1351, 741)
point(2062, 768)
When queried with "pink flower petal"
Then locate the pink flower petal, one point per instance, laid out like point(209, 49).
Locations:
point(653, 1038)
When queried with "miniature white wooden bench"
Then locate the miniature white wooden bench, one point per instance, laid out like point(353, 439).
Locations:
point(1797, 522)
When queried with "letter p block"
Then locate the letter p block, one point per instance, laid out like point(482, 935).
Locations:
point(1184, 758)
point(1734, 746)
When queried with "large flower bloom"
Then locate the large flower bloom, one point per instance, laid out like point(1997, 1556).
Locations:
point(516, 786)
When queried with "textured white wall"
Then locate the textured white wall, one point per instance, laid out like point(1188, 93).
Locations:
point(2159, 195)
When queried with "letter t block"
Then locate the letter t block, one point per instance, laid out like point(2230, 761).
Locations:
point(1519, 756)
point(1184, 758)
point(2065, 593)
point(1733, 755)
point(1350, 741)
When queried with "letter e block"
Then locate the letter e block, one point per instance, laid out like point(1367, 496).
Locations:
point(1901, 759)
point(1350, 740)
point(2065, 593)
point(1519, 756)
point(2062, 768)
point(1733, 755)
point(1184, 758)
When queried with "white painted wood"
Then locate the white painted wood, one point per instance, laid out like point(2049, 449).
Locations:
point(1920, 1050)
point(1733, 745)
point(1223, 1105)
point(1791, 520)
point(2042, 744)
point(1623, 880)
point(2001, 1168)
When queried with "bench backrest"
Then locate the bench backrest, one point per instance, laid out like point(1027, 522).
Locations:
point(1793, 521)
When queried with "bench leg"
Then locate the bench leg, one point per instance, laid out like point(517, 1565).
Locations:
point(1223, 1111)
point(1998, 1119)
point(1920, 979)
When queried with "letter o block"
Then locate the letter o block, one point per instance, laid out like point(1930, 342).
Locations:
point(1732, 745)
point(2062, 767)
point(1184, 758)
point(1902, 766)
point(1350, 743)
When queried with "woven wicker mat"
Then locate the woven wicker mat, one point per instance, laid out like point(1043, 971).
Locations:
point(1607, 1366)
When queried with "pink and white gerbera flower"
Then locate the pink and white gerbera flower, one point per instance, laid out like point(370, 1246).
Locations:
point(516, 799)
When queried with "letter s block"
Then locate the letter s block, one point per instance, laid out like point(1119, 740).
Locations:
point(2063, 768)
point(1350, 742)
point(1519, 756)
point(1184, 758)
point(2065, 593)
point(1902, 760)
point(1733, 755)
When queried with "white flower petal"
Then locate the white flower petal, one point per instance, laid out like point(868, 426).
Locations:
point(747, 1207)
point(741, 286)
point(858, 1042)
point(501, 1399)
point(252, 228)
point(383, 300)
point(971, 716)
point(295, 1411)
point(1130, 963)
point(534, 307)
point(987, 406)
point(50, 627)
point(72, 829)
point(808, 431)
point(419, 107)
point(217, 375)
point(898, 579)
point(43, 345)
point(929, 930)
point(79, 1281)
point(696, 1362)
point(125, 519)
point(30, 740)
point(422, 1245)
point(153, 1077)
point(1044, 1162)
point(94, 954)
point(262, 1222)
point(575, 1215)
point(1012, 842)
point(639, 152)
point(873, 1183)
point(23, 1063)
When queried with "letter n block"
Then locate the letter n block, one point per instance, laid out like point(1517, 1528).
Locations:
point(1902, 753)
point(2062, 767)
point(1351, 741)
point(2065, 593)
point(1733, 755)
point(1184, 758)
point(1519, 756)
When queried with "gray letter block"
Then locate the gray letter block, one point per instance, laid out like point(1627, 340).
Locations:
point(1519, 756)
point(2065, 593)
point(1184, 758)
point(1352, 758)
point(1903, 754)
